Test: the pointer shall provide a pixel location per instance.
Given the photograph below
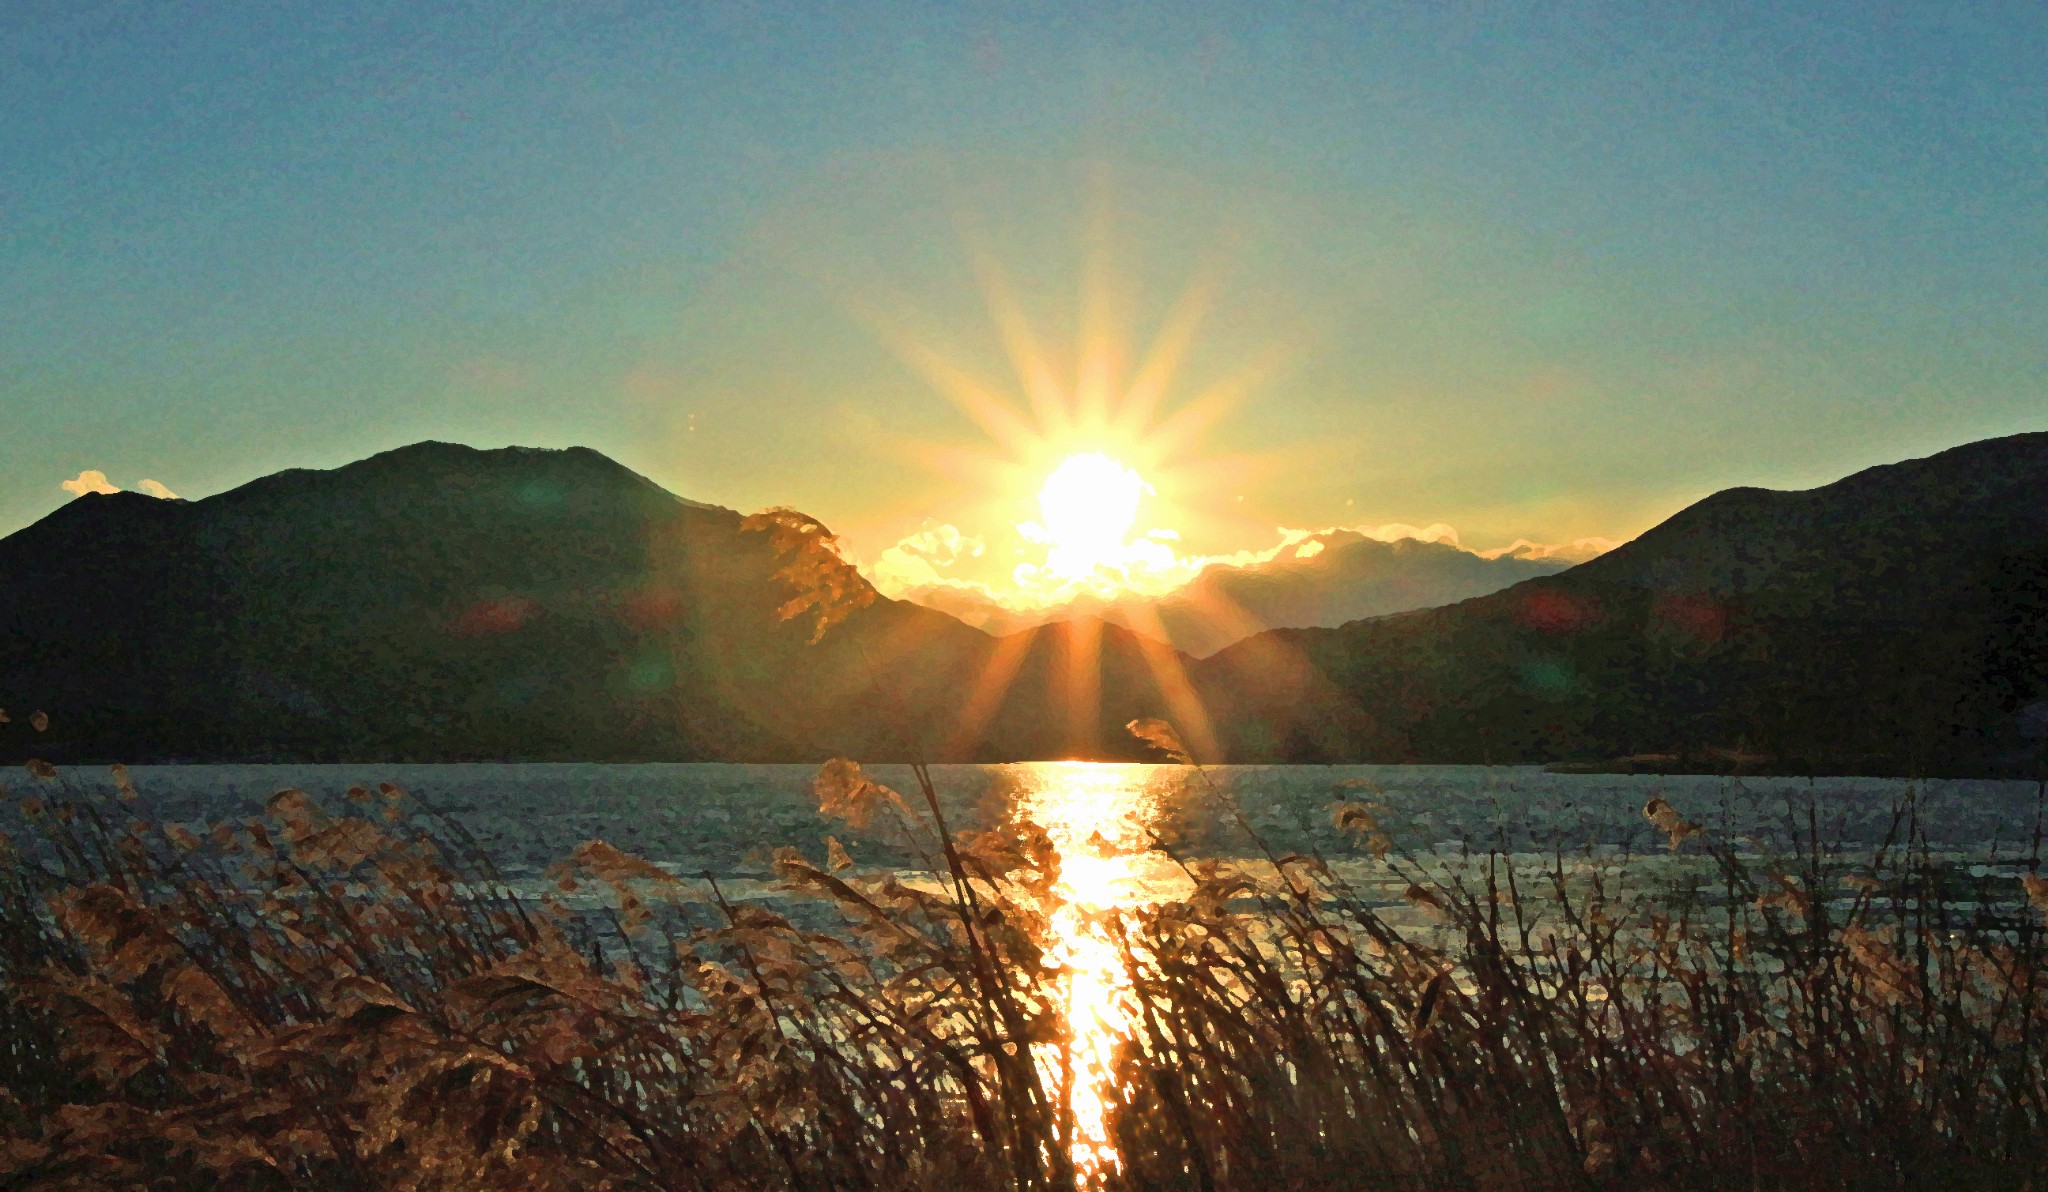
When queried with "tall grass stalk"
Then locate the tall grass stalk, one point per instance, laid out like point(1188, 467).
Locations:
point(353, 998)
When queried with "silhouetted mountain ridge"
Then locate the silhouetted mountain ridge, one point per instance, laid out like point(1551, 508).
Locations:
point(443, 603)
point(1891, 620)
point(438, 602)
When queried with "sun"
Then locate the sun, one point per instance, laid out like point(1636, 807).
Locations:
point(1096, 485)
point(1093, 487)
point(1093, 430)
point(1088, 505)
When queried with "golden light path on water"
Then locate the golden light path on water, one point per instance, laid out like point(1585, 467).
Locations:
point(1100, 817)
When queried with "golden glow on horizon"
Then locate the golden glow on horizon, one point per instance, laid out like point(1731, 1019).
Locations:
point(1086, 432)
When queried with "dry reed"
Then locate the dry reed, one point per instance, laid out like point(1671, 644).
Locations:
point(352, 998)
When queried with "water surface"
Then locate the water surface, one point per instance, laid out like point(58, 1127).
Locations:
point(726, 818)
point(1105, 821)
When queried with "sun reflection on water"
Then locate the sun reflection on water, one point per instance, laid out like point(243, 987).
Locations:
point(1100, 816)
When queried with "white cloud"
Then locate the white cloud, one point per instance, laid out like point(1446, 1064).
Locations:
point(929, 565)
point(1576, 551)
point(92, 480)
point(1395, 531)
point(917, 560)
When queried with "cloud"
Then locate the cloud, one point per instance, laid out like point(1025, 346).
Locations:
point(915, 561)
point(92, 480)
point(936, 565)
point(1576, 551)
point(1395, 531)
point(922, 565)
point(1307, 544)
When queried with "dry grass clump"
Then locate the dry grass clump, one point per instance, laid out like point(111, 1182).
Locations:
point(313, 999)
point(306, 1000)
point(1805, 1024)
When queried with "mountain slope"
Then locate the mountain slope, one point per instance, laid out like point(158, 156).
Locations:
point(443, 603)
point(439, 603)
point(1328, 580)
point(1896, 619)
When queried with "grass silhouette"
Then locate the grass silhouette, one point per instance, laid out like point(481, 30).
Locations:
point(353, 998)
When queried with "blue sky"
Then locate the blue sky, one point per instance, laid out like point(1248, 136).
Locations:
point(1539, 271)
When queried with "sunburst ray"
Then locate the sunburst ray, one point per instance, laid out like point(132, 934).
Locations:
point(1183, 705)
point(985, 697)
point(1042, 388)
point(1079, 665)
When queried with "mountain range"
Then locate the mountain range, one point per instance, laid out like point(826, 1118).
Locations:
point(1324, 579)
point(439, 602)
point(1893, 621)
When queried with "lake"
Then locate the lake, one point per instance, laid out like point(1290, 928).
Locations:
point(1103, 819)
point(725, 818)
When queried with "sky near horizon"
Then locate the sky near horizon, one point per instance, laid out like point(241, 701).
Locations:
point(1539, 272)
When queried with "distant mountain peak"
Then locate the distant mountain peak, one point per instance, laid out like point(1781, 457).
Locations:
point(1892, 621)
point(433, 463)
point(443, 602)
point(1324, 580)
